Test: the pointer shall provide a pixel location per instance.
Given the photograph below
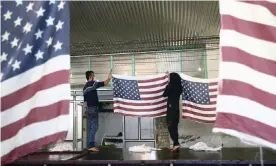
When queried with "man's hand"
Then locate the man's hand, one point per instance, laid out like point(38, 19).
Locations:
point(109, 77)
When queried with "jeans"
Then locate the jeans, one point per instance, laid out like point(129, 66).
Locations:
point(93, 125)
point(173, 130)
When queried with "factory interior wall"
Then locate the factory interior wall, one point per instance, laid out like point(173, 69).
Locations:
point(195, 62)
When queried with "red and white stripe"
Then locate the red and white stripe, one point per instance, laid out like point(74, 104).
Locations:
point(152, 103)
point(35, 108)
point(247, 99)
point(201, 112)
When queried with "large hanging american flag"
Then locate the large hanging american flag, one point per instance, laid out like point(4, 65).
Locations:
point(35, 65)
point(140, 96)
point(247, 99)
point(199, 99)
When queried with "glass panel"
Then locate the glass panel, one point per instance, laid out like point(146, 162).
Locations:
point(147, 128)
point(79, 93)
point(79, 112)
point(72, 98)
point(131, 128)
point(192, 63)
point(145, 64)
point(79, 98)
point(79, 66)
point(168, 62)
point(123, 65)
point(70, 123)
point(101, 67)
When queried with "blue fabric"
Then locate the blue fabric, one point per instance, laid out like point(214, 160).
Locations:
point(93, 125)
point(90, 93)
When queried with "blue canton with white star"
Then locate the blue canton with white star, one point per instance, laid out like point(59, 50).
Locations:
point(195, 92)
point(126, 89)
point(32, 32)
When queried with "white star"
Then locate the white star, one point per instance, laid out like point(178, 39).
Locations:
point(61, 5)
point(50, 21)
point(52, 2)
point(39, 55)
point(14, 42)
point(16, 65)
point(27, 28)
point(58, 46)
point(3, 57)
point(18, 2)
point(17, 21)
point(28, 49)
point(40, 12)
point(49, 41)
point(5, 36)
point(30, 6)
point(38, 34)
point(59, 25)
point(7, 15)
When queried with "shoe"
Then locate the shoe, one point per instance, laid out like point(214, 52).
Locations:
point(176, 148)
point(94, 149)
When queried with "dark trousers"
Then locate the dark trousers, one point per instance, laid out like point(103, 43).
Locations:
point(93, 125)
point(173, 130)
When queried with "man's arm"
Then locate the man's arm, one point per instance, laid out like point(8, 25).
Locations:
point(106, 82)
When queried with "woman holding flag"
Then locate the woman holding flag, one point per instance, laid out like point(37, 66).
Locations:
point(173, 91)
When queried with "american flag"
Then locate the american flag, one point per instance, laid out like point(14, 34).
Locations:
point(199, 99)
point(247, 99)
point(140, 96)
point(35, 65)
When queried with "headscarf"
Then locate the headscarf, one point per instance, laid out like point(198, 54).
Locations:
point(175, 83)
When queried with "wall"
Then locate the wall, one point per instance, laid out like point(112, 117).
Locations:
point(190, 62)
point(212, 62)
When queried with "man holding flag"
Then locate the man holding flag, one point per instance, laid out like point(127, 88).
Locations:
point(91, 98)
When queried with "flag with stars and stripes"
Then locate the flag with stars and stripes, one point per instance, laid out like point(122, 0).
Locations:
point(247, 99)
point(35, 63)
point(199, 99)
point(140, 96)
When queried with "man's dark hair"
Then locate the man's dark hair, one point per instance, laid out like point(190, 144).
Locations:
point(87, 74)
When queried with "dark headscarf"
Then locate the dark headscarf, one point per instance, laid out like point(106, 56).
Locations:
point(175, 83)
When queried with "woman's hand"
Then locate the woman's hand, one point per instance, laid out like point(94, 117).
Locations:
point(168, 75)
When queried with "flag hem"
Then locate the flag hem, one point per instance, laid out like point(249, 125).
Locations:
point(245, 137)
